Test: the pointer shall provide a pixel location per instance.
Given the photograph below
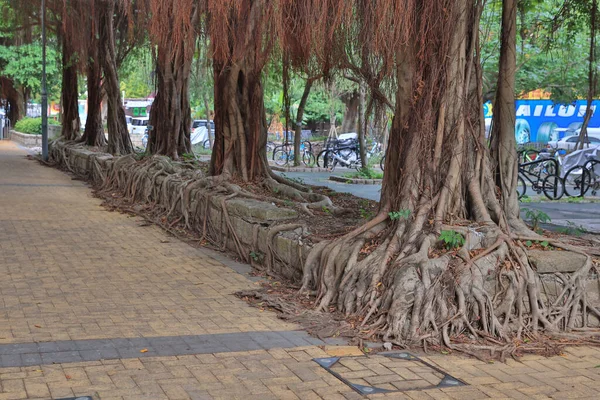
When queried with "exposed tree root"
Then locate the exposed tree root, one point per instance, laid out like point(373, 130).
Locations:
point(182, 192)
point(422, 295)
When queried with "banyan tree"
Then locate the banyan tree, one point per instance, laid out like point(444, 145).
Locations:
point(440, 174)
point(443, 180)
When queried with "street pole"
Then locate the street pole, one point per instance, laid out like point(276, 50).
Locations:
point(44, 92)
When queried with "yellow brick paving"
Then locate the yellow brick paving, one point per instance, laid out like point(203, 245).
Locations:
point(70, 270)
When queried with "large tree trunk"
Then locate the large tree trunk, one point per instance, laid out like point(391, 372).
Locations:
point(93, 134)
point(13, 97)
point(503, 142)
point(299, 118)
point(362, 125)
point(69, 95)
point(119, 141)
point(395, 272)
point(240, 120)
point(240, 123)
point(592, 78)
point(170, 116)
point(352, 103)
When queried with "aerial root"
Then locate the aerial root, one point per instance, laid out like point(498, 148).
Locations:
point(410, 294)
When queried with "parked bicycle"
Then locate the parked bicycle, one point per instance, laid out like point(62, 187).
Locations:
point(283, 154)
point(581, 178)
point(543, 177)
point(340, 152)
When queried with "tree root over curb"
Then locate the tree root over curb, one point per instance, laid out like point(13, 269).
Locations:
point(181, 191)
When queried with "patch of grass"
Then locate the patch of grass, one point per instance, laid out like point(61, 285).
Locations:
point(364, 173)
point(572, 229)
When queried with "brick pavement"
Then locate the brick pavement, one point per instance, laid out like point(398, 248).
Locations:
point(75, 278)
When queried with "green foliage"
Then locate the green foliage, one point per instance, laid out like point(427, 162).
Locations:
point(572, 229)
point(549, 56)
point(396, 215)
point(451, 239)
point(136, 74)
point(525, 199)
point(364, 211)
point(326, 210)
point(299, 181)
point(536, 217)
point(32, 126)
point(256, 256)
point(365, 173)
point(545, 244)
point(23, 65)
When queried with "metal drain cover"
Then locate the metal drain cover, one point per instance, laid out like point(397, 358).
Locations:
point(387, 372)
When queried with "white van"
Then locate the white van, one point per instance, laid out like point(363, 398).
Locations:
point(139, 125)
point(128, 121)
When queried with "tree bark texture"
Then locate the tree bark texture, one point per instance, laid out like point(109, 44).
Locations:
point(119, 141)
point(240, 120)
point(93, 134)
point(352, 103)
point(170, 116)
point(299, 118)
point(71, 124)
point(592, 77)
point(503, 141)
point(362, 125)
point(437, 174)
point(13, 97)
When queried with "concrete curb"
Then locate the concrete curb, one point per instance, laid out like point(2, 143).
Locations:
point(354, 181)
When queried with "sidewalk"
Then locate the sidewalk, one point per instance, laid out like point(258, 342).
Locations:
point(95, 303)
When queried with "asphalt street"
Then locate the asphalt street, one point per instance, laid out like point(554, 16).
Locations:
point(584, 214)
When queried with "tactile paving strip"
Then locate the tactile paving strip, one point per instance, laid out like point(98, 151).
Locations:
point(388, 372)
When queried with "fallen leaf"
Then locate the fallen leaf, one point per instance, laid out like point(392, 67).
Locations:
point(68, 376)
point(38, 326)
point(143, 350)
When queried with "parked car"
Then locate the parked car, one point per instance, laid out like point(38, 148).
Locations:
point(197, 123)
point(139, 125)
point(570, 142)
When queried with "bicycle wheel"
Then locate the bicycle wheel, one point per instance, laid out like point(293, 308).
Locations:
point(275, 149)
point(281, 157)
point(308, 158)
point(325, 158)
point(553, 187)
point(521, 187)
point(382, 163)
point(577, 181)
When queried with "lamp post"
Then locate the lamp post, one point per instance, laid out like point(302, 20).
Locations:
point(44, 92)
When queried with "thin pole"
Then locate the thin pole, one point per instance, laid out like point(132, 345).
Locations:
point(44, 92)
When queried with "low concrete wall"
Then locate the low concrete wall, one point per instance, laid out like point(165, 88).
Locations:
point(27, 140)
point(251, 220)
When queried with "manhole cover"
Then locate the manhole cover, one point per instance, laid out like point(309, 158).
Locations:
point(387, 372)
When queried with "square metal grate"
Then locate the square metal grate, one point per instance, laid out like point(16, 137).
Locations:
point(387, 372)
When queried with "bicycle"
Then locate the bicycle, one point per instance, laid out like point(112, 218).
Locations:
point(582, 178)
point(527, 155)
point(536, 173)
point(340, 152)
point(284, 153)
